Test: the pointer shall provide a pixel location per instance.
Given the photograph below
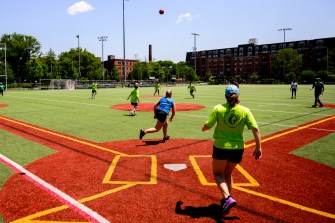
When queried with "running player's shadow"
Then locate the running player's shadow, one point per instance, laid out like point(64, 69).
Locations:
point(212, 211)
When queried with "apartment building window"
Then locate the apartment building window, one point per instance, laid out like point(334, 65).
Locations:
point(291, 45)
point(301, 44)
point(265, 48)
point(319, 42)
point(273, 47)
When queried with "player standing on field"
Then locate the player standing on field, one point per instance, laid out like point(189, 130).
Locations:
point(293, 89)
point(230, 119)
point(319, 89)
point(157, 87)
point(134, 98)
point(2, 88)
point(94, 89)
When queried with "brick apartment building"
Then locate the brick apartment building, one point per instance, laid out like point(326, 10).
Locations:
point(111, 61)
point(246, 59)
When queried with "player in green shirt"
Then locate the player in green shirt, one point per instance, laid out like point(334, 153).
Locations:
point(319, 89)
point(230, 119)
point(2, 88)
point(94, 89)
point(192, 89)
point(157, 87)
point(134, 99)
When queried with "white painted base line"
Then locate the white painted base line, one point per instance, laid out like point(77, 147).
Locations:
point(83, 210)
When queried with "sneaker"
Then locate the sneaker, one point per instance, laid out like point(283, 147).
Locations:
point(313, 106)
point(227, 204)
point(142, 133)
point(166, 138)
point(321, 106)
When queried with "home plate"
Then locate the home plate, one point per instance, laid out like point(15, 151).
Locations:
point(175, 167)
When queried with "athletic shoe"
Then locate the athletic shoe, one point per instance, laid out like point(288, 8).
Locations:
point(321, 106)
point(142, 133)
point(166, 138)
point(313, 106)
point(227, 204)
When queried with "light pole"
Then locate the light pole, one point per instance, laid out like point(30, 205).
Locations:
point(102, 39)
point(124, 47)
point(79, 74)
point(5, 48)
point(195, 51)
point(284, 46)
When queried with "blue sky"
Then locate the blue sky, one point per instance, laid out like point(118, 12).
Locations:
point(219, 23)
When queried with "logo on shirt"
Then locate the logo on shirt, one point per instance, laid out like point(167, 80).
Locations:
point(231, 119)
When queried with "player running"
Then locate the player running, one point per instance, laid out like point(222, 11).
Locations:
point(192, 89)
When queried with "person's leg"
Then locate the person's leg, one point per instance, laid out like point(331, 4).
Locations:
point(222, 171)
point(165, 127)
point(154, 129)
point(316, 98)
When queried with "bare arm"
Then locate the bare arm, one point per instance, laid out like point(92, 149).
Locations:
point(258, 149)
point(173, 112)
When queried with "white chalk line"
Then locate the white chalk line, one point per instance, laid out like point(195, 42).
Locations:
point(83, 210)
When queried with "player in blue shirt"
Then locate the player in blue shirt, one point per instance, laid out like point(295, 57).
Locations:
point(161, 112)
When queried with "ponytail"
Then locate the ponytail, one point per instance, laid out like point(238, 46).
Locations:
point(233, 100)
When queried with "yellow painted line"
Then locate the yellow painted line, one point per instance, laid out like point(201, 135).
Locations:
point(278, 200)
point(153, 176)
point(291, 131)
point(63, 136)
point(253, 182)
point(64, 207)
point(204, 181)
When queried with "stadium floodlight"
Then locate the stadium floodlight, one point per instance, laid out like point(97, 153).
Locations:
point(195, 51)
point(284, 46)
point(102, 39)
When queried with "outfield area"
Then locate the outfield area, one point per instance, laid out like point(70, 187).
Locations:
point(37, 126)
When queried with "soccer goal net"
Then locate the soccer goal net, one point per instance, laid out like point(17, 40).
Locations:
point(57, 84)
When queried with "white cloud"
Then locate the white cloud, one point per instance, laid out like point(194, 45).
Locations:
point(183, 17)
point(79, 7)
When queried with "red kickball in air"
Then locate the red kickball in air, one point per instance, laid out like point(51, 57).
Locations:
point(161, 11)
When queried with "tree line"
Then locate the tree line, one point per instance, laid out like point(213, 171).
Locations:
point(27, 64)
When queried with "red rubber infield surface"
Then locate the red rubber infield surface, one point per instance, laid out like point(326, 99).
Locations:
point(126, 181)
point(148, 106)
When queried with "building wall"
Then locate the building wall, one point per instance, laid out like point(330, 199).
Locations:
point(119, 65)
point(246, 59)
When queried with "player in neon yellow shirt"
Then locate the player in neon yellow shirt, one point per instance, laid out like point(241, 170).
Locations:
point(134, 99)
point(94, 89)
point(192, 89)
point(157, 87)
point(230, 119)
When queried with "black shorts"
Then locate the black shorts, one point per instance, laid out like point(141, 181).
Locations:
point(135, 104)
point(232, 155)
point(191, 91)
point(161, 116)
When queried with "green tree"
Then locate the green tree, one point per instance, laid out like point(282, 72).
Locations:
point(308, 76)
point(293, 62)
point(21, 49)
